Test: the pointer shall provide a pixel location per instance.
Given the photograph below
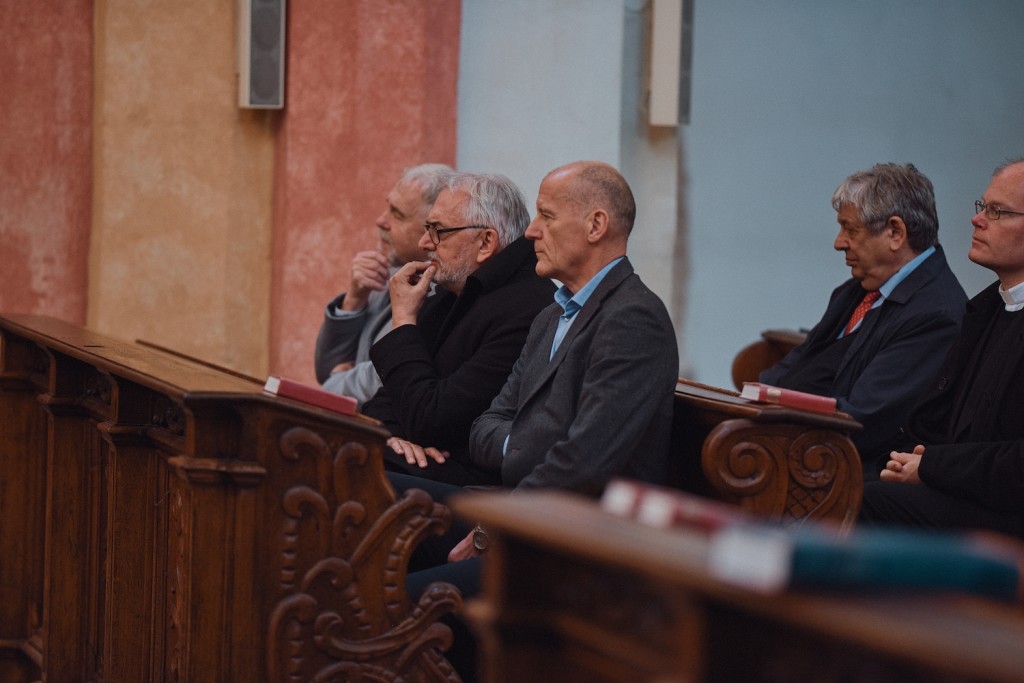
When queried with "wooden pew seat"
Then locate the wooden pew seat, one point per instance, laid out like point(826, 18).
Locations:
point(572, 593)
point(166, 521)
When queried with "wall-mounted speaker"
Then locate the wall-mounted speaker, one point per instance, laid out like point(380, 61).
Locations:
point(261, 53)
point(671, 62)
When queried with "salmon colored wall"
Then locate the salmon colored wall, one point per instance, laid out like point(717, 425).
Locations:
point(136, 197)
point(371, 91)
point(45, 163)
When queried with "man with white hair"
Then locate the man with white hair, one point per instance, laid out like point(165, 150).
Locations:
point(355, 319)
point(448, 355)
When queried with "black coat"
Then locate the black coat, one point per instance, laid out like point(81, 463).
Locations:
point(441, 373)
point(983, 459)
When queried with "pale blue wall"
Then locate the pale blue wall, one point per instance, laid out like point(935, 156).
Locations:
point(792, 96)
point(789, 97)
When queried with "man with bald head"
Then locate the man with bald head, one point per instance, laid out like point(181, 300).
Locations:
point(590, 397)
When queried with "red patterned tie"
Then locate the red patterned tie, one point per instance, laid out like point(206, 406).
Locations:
point(862, 309)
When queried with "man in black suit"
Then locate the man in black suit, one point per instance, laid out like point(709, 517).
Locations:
point(590, 398)
point(962, 465)
point(887, 328)
point(448, 355)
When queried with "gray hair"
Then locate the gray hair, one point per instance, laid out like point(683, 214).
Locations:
point(494, 201)
point(887, 190)
point(430, 178)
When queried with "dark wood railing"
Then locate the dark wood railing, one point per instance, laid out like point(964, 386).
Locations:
point(163, 520)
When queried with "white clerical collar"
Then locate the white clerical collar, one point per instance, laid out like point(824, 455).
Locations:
point(1013, 298)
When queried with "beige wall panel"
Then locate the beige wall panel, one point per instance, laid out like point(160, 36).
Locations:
point(183, 183)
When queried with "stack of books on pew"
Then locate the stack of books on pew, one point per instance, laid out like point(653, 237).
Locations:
point(748, 552)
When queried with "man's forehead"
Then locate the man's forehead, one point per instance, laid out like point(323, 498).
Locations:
point(449, 205)
point(1009, 180)
point(406, 195)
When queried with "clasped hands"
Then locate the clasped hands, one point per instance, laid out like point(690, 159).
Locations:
point(902, 467)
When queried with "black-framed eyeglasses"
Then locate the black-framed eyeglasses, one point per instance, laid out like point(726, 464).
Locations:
point(436, 232)
point(993, 213)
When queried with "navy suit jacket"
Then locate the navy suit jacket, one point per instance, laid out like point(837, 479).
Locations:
point(600, 408)
point(894, 356)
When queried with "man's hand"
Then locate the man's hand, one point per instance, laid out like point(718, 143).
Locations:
point(415, 454)
point(902, 467)
point(369, 274)
point(464, 550)
point(409, 288)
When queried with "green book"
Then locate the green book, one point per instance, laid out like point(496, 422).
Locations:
point(868, 560)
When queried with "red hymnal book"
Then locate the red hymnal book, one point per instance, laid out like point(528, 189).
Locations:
point(788, 397)
point(288, 388)
point(665, 508)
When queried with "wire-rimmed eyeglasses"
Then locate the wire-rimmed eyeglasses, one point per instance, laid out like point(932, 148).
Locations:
point(993, 213)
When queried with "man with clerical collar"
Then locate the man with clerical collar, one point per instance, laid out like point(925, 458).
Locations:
point(961, 463)
point(885, 331)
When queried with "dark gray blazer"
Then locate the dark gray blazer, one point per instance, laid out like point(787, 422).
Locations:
point(602, 407)
point(349, 338)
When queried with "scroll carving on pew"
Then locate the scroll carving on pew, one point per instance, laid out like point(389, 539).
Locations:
point(782, 471)
point(168, 521)
point(321, 627)
point(775, 461)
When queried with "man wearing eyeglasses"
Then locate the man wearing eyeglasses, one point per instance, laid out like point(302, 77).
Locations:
point(886, 330)
point(962, 463)
point(354, 320)
point(591, 396)
point(448, 355)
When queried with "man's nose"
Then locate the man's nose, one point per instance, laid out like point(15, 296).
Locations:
point(532, 231)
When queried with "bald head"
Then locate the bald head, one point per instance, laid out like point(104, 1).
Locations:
point(585, 211)
point(596, 185)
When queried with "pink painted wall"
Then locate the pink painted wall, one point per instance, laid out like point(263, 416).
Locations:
point(45, 156)
point(163, 212)
point(371, 90)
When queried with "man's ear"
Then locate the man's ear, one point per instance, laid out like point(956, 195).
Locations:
point(488, 245)
point(597, 225)
point(896, 230)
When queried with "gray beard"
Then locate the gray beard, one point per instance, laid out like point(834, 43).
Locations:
point(452, 278)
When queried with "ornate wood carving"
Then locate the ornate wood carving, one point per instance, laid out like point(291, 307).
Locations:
point(335, 562)
point(784, 471)
point(172, 522)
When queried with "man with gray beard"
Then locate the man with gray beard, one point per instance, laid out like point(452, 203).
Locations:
point(449, 355)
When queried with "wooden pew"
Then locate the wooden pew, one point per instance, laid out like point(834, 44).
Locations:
point(776, 462)
point(571, 593)
point(161, 520)
point(763, 353)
